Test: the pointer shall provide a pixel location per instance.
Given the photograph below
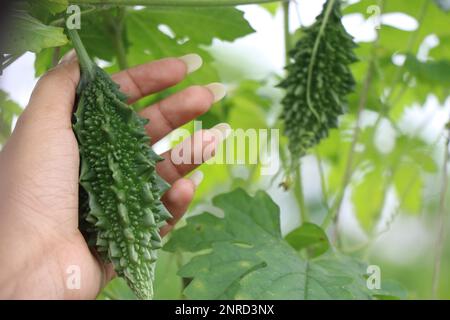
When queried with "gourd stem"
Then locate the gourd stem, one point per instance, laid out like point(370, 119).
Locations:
point(328, 10)
point(86, 64)
point(287, 34)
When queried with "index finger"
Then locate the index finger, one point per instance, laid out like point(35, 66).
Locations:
point(142, 80)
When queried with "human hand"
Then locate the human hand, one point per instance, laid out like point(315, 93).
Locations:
point(39, 167)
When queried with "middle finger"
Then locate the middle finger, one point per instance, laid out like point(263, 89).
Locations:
point(180, 108)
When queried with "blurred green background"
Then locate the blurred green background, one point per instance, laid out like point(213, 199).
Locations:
point(390, 199)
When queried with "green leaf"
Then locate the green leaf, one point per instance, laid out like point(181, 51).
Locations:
point(409, 186)
point(271, 7)
point(390, 290)
point(248, 259)
point(147, 43)
point(167, 283)
point(43, 61)
point(432, 72)
point(368, 196)
point(42, 9)
point(222, 23)
point(29, 34)
point(98, 38)
point(311, 237)
point(117, 289)
point(8, 110)
point(442, 51)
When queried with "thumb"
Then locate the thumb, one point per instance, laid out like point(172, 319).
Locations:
point(54, 95)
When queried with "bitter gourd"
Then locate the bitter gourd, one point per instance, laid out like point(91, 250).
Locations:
point(123, 212)
point(317, 82)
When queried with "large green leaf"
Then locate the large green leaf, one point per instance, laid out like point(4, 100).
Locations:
point(145, 39)
point(248, 258)
point(222, 23)
point(46, 9)
point(29, 34)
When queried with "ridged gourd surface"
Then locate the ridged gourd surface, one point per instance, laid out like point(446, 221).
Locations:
point(308, 116)
point(118, 175)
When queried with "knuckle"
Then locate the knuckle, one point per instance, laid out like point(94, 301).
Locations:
point(198, 96)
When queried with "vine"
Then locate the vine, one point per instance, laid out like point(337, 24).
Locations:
point(178, 3)
point(333, 214)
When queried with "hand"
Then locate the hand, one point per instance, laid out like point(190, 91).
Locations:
point(39, 236)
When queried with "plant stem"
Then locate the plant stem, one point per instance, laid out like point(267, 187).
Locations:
point(323, 183)
point(184, 281)
point(117, 25)
point(442, 219)
point(86, 64)
point(61, 21)
point(171, 3)
point(333, 213)
point(299, 195)
point(287, 34)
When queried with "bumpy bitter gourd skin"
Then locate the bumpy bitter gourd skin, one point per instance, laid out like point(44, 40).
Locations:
point(308, 116)
point(118, 176)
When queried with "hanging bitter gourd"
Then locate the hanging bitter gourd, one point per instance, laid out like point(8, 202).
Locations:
point(123, 212)
point(318, 80)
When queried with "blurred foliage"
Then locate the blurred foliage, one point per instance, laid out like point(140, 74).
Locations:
point(8, 110)
point(395, 73)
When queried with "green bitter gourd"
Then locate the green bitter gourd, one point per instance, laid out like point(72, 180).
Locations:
point(318, 80)
point(123, 212)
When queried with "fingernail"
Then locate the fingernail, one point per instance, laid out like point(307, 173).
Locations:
point(217, 89)
point(70, 55)
point(193, 62)
point(223, 129)
point(197, 178)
